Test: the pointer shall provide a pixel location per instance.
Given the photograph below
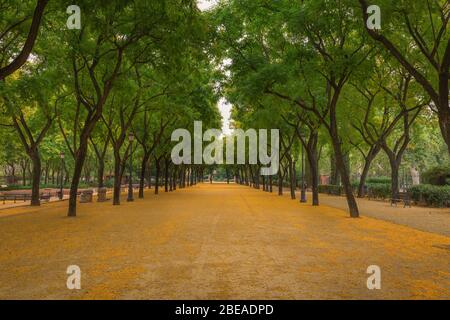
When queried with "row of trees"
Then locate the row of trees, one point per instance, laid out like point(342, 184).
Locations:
point(316, 71)
point(135, 68)
point(311, 69)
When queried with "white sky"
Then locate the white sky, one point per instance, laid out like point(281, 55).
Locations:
point(224, 106)
point(206, 4)
point(225, 111)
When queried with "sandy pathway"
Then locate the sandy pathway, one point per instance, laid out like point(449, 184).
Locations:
point(435, 220)
point(215, 242)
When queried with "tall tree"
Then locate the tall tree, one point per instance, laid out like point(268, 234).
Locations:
point(420, 27)
point(10, 32)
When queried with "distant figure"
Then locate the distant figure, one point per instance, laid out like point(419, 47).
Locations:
point(210, 178)
point(415, 175)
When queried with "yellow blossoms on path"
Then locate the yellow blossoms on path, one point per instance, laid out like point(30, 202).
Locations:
point(215, 242)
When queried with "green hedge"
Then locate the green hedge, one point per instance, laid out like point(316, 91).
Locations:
point(439, 176)
point(382, 180)
point(109, 183)
point(379, 190)
point(330, 189)
point(44, 186)
point(435, 196)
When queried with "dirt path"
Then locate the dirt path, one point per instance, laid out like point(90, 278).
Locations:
point(435, 220)
point(216, 242)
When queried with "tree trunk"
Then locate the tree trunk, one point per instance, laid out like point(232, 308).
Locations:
point(314, 167)
point(395, 167)
point(280, 182)
point(47, 168)
point(334, 173)
point(394, 162)
point(24, 175)
point(157, 163)
point(345, 178)
point(174, 178)
point(166, 176)
point(149, 174)
point(291, 178)
point(367, 162)
point(79, 162)
point(444, 110)
point(142, 176)
point(191, 179)
point(36, 180)
point(101, 173)
point(117, 180)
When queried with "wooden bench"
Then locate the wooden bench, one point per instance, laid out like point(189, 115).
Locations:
point(15, 197)
point(45, 196)
point(403, 197)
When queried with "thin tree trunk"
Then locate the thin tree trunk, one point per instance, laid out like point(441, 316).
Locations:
point(367, 162)
point(36, 178)
point(157, 164)
point(292, 178)
point(174, 178)
point(345, 178)
point(395, 167)
point(117, 180)
point(142, 176)
point(79, 162)
point(47, 168)
point(149, 174)
point(166, 176)
point(314, 166)
point(24, 174)
point(334, 173)
point(101, 173)
point(280, 182)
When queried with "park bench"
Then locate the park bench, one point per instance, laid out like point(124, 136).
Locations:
point(403, 197)
point(45, 196)
point(15, 197)
point(86, 196)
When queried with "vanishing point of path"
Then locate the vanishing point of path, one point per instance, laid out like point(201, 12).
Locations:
point(215, 242)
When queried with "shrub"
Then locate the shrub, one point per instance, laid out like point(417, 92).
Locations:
point(435, 196)
point(438, 176)
point(379, 190)
point(15, 187)
point(383, 180)
point(109, 183)
point(12, 187)
point(330, 189)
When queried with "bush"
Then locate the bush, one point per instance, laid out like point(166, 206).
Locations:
point(383, 180)
point(439, 176)
point(435, 196)
point(109, 183)
point(29, 187)
point(13, 187)
point(330, 189)
point(379, 190)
